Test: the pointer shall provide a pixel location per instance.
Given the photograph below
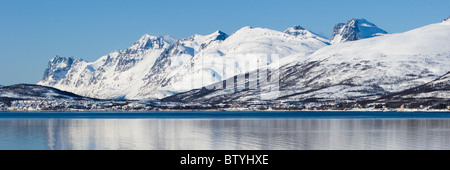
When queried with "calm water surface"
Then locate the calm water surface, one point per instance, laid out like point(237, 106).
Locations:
point(225, 131)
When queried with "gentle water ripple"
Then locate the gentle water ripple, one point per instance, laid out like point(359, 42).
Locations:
point(224, 134)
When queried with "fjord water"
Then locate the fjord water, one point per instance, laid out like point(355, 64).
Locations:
point(411, 131)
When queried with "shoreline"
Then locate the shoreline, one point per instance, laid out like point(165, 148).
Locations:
point(266, 115)
point(234, 111)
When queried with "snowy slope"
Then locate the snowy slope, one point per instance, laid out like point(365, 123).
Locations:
point(155, 67)
point(301, 32)
point(355, 29)
point(439, 88)
point(433, 93)
point(364, 69)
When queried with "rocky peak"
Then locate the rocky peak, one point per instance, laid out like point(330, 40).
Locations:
point(446, 20)
point(58, 67)
point(220, 35)
point(295, 30)
point(149, 42)
point(355, 29)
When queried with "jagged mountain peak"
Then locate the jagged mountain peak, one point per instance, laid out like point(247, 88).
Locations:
point(58, 67)
point(150, 42)
point(295, 30)
point(298, 27)
point(59, 59)
point(355, 29)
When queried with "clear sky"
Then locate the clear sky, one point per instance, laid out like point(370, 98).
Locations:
point(34, 31)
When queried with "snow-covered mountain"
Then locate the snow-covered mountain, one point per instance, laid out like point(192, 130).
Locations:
point(359, 70)
point(112, 75)
point(156, 67)
point(355, 29)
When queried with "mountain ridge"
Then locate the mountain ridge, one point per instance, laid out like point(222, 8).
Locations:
point(154, 68)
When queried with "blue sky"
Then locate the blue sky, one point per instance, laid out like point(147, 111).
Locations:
point(34, 31)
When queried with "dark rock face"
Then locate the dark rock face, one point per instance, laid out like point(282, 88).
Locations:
point(295, 31)
point(222, 36)
point(448, 19)
point(348, 32)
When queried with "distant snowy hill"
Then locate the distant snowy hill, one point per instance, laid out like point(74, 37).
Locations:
point(34, 92)
point(355, 29)
point(156, 67)
point(359, 70)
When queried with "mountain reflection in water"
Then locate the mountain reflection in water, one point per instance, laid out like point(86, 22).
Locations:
point(238, 134)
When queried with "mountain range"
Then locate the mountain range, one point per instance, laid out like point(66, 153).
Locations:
point(359, 70)
point(360, 62)
point(156, 67)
